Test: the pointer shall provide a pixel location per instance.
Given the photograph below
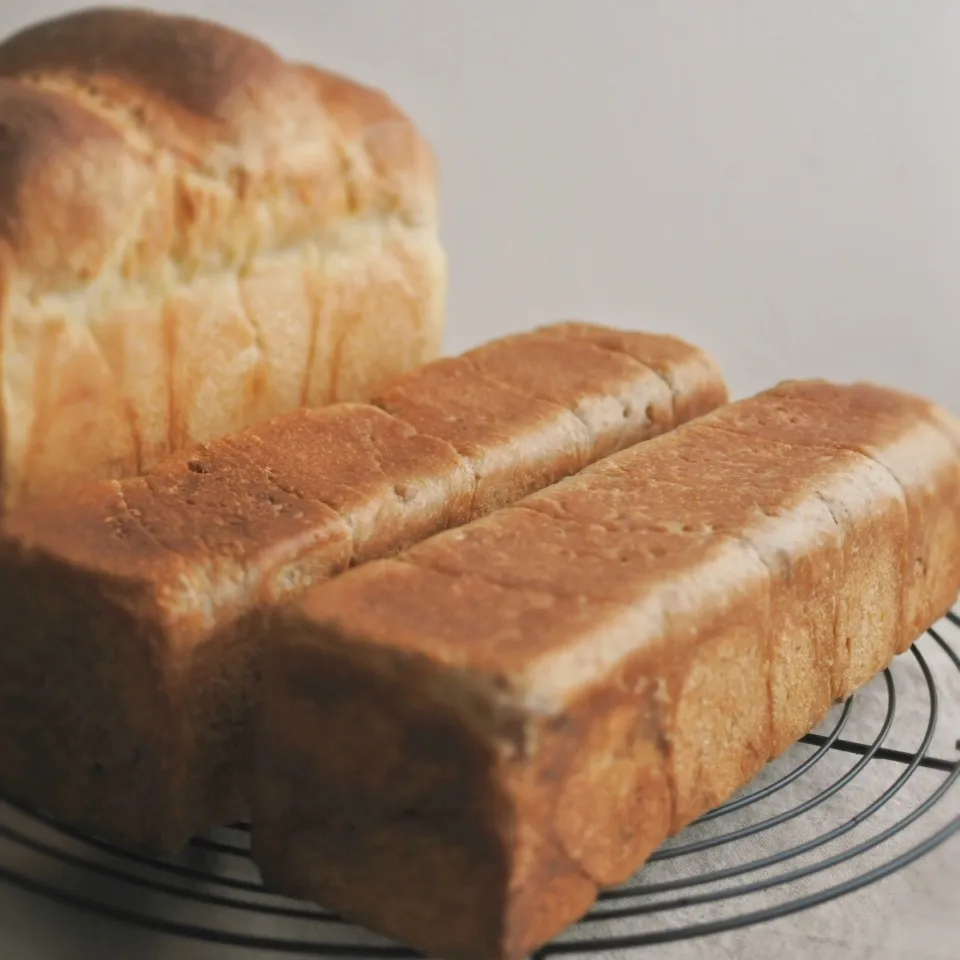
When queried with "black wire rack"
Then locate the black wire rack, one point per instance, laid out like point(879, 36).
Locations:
point(870, 793)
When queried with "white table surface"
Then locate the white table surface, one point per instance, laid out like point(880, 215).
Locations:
point(777, 181)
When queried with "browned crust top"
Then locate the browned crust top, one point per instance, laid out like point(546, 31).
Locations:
point(176, 99)
point(194, 64)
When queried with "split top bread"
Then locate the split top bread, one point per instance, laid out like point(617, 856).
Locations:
point(195, 235)
point(130, 659)
point(536, 700)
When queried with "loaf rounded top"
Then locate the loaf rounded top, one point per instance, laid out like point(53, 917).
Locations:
point(189, 146)
point(196, 65)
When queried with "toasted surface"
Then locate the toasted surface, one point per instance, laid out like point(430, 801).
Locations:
point(219, 511)
point(568, 401)
point(176, 569)
point(195, 235)
point(606, 660)
point(485, 421)
point(691, 374)
point(910, 441)
point(618, 399)
point(390, 484)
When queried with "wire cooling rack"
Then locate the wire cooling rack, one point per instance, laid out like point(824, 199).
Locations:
point(870, 793)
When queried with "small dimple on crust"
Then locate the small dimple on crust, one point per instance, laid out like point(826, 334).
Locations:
point(382, 402)
point(432, 565)
point(135, 517)
point(557, 513)
point(527, 391)
point(518, 390)
point(823, 445)
point(269, 475)
point(603, 341)
point(608, 341)
point(370, 447)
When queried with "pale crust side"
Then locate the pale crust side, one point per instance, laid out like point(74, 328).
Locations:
point(196, 235)
point(607, 660)
point(160, 580)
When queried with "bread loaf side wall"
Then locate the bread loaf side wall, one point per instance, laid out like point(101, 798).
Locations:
point(402, 774)
point(658, 626)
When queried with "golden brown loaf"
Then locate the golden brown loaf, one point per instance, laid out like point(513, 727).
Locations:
point(129, 609)
point(536, 700)
point(195, 235)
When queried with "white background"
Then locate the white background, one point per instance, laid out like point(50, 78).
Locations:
point(775, 179)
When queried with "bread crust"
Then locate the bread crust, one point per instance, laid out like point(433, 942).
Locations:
point(603, 662)
point(162, 580)
point(195, 235)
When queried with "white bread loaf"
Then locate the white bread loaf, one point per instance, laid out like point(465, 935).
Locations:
point(195, 235)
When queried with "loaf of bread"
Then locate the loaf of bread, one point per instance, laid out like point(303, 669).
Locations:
point(195, 236)
point(129, 657)
point(536, 700)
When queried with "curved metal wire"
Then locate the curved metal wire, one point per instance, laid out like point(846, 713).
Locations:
point(731, 806)
point(711, 842)
point(209, 845)
point(232, 897)
point(796, 851)
point(104, 846)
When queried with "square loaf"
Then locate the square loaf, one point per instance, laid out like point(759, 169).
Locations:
point(461, 745)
